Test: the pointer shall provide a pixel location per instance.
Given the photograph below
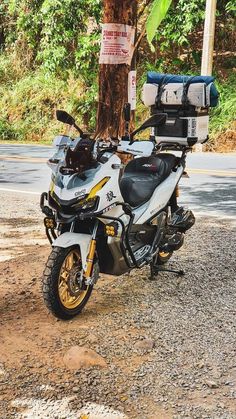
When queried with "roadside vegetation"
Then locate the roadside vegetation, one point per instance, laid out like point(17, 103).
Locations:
point(49, 59)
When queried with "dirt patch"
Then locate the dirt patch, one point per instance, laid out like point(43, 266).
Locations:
point(18, 222)
point(188, 325)
point(18, 235)
point(225, 142)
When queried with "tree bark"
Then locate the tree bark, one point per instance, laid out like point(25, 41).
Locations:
point(113, 79)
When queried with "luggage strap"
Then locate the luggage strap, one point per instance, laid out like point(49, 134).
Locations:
point(161, 91)
point(185, 100)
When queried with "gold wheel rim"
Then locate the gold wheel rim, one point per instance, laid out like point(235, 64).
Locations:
point(164, 254)
point(71, 296)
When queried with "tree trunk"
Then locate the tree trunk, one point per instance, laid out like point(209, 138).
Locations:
point(113, 79)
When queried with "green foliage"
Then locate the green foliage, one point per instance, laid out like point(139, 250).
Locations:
point(7, 132)
point(157, 14)
point(231, 7)
point(53, 33)
point(184, 18)
point(27, 111)
point(181, 20)
point(49, 58)
point(52, 59)
point(225, 113)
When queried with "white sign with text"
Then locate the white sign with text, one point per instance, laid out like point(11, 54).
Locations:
point(117, 44)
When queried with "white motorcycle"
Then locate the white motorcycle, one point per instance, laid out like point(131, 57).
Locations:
point(104, 217)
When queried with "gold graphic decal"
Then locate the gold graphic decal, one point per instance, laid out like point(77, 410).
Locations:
point(98, 187)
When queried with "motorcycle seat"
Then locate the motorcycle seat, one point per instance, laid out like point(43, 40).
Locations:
point(142, 175)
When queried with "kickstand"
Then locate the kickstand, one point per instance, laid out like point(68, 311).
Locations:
point(156, 270)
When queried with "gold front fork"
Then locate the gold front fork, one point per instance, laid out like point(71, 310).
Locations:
point(90, 259)
point(91, 253)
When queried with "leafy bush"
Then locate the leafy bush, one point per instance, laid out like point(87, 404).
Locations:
point(7, 131)
point(27, 111)
point(223, 116)
point(53, 33)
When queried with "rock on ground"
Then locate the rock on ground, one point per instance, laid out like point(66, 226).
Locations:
point(81, 357)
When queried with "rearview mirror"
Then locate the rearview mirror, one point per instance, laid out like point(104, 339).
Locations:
point(63, 116)
point(152, 122)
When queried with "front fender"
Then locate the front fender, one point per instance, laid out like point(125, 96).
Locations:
point(71, 239)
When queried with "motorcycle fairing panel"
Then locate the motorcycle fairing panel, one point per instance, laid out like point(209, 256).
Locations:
point(71, 188)
point(67, 190)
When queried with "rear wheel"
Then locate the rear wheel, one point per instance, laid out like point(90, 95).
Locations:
point(64, 291)
point(162, 258)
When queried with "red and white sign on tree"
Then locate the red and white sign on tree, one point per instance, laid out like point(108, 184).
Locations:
point(117, 44)
point(132, 89)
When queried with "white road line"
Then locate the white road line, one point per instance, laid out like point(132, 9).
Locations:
point(212, 172)
point(18, 191)
point(23, 159)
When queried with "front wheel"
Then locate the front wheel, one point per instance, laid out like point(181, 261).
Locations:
point(65, 293)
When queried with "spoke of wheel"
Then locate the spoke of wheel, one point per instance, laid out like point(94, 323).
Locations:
point(64, 293)
point(64, 275)
point(63, 284)
point(70, 261)
point(67, 297)
point(71, 299)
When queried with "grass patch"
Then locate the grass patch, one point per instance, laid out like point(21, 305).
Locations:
point(224, 115)
point(28, 104)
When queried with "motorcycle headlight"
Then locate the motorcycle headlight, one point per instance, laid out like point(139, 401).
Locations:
point(82, 203)
point(86, 203)
point(91, 200)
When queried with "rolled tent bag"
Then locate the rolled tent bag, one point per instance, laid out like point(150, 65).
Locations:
point(176, 90)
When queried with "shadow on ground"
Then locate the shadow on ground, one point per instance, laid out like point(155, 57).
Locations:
point(216, 196)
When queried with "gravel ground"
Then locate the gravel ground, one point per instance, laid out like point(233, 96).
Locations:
point(169, 344)
point(20, 224)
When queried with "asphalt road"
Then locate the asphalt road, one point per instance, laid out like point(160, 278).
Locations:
point(211, 188)
point(23, 168)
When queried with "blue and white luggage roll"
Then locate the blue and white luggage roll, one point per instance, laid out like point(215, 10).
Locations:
point(177, 90)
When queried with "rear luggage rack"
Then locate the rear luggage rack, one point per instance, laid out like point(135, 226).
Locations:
point(186, 101)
